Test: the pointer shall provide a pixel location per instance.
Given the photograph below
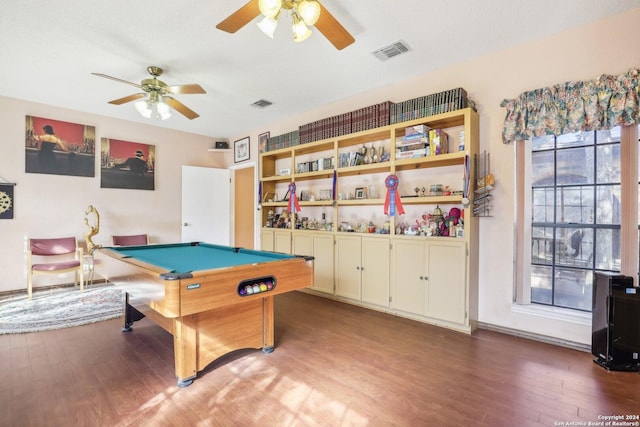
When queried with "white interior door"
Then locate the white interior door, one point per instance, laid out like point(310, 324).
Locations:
point(206, 205)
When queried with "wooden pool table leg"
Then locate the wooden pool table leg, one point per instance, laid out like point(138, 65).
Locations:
point(267, 327)
point(184, 349)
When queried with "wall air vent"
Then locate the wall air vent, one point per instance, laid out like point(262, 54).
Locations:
point(391, 50)
point(261, 103)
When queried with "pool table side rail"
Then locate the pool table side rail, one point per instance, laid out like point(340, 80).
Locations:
point(219, 288)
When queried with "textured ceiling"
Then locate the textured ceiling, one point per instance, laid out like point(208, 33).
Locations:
point(49, 49)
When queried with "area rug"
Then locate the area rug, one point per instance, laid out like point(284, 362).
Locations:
point(60, 308)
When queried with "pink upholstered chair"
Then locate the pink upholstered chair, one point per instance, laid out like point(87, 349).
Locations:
point(54, 250)
point(131, 240)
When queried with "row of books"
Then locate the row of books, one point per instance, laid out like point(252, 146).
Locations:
point(430, 143)
point(353, 158)
point(366, 118)
point(371, 117)
point(285, 140)
point(315, 165)
point(423, 106)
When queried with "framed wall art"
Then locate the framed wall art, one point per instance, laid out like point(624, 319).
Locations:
point(241, 150)
point(263, 138)
point(59, 148)
point(125, 164)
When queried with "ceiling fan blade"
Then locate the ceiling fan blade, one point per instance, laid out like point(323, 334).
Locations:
point(185, 89)
point(126, 99)
point(240, 17)
point(180, 107)
point(117, 79)
point(333, 30)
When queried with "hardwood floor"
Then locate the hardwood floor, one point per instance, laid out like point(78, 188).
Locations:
point(334, 365)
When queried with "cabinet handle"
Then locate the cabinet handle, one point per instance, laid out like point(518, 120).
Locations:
point(421, 277)
point(357, 268)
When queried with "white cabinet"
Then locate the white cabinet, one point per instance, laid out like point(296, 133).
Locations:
point(362, 268)
point(429, 278)
point(275, 240)
point(320, 246)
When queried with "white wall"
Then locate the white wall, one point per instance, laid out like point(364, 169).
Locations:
point(610, 46)
point(54, 205)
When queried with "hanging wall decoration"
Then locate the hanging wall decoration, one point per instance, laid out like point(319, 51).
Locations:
point(7, 201)
point(125, 164)
point(59, 148)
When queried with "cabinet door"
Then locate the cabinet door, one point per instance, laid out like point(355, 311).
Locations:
point(303, 244)
point(323, 264)
point(375, 271)
point(446, 284)
point(282, 241)
point(348, 266)
point(408, 273)
point(266, 240)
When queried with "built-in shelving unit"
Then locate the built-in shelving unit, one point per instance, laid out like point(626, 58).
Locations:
point(427, 278)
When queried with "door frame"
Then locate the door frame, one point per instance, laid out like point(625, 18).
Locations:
point(256, 212)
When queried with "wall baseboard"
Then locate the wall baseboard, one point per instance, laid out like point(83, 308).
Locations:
point(536, 337)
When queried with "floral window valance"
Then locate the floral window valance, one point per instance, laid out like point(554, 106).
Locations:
point(569, 107)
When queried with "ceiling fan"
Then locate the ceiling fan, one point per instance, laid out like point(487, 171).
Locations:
point(325, 23)
point(157, 95)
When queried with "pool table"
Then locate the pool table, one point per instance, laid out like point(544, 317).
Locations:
point(213, 299)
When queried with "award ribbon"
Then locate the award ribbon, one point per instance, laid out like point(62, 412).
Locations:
point(392, 202)
point(294, 207)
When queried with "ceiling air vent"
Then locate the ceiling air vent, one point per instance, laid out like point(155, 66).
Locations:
point(392, 50)
point(261, 103)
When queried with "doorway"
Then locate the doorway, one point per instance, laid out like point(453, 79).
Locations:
point(244, 207)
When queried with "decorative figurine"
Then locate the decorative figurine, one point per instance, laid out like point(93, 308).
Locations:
point(93, 230)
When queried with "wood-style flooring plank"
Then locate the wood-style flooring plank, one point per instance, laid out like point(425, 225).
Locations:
point(334, 365)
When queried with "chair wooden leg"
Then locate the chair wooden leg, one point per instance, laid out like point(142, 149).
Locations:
point(29, 284)
point(81, 278)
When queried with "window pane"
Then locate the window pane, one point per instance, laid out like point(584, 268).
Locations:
point(575, 205)
point(542, 142)
point(541, 284)
point(574, 247)
point(604, 136)
point(608, 164)
point(573, 288)
point(543, 204)
point(575, 139)
point(608, 204)
point(575, 166)
point(543, 172)
point(608, 249)
point(542, 243)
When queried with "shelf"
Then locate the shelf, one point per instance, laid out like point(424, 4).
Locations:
point(368, 168)
point(277, 178)
point(359, 202)
point(449, 159)
point(328, 173)
point(219, 150)
point(456, 198)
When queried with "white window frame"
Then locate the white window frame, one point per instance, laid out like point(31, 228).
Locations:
point(628, 215)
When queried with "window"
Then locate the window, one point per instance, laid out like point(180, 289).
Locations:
point(572, 222)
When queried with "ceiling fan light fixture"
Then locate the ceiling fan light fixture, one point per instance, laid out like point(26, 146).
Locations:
point(270, 8)
point(143, 108)
point(309, 11)
point(268, 26)
point(300, 30)
point(162, 111)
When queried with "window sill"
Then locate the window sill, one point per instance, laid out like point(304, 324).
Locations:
point(555, 313)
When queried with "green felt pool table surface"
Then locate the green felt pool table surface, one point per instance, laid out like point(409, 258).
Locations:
point(189, 257)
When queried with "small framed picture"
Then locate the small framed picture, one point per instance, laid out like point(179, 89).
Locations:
point(241, 150)
point(325, 194)
point(263, 138)
point(361, 193)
